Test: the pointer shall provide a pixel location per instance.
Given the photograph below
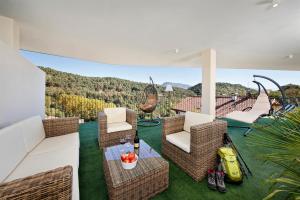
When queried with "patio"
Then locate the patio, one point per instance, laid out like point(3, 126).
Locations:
point(197, 33)
point(181, 186)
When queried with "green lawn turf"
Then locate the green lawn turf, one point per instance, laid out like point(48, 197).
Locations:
point(181, 186)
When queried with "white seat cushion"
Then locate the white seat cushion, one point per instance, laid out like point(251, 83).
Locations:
point(57, 143)
point(68, 141)
point(192, 118)
point(260, 107)
point(181, 139)
point(118, 126)
point(246, 117)
point(43, 162)
point(115, 114)
point(12, 149)
point(32, 131)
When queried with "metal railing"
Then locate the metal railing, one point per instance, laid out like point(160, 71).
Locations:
point(88, 109)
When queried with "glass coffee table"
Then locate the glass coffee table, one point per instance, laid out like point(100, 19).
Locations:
point(148, 178)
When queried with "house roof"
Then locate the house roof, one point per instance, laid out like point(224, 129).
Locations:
point(224, 105)
point(188, 104)
point(245, 34)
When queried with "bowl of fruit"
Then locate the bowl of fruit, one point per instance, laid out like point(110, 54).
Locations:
point(129, 160)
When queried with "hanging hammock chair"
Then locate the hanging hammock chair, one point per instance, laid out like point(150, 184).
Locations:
point(151, 98)
point(149, 105)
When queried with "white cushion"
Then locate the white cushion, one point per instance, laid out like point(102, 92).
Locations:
point(57, 143)
point(32, 131)
point(68, 141)
point(118, 126)
point(43, 162)
point(192, 118)
point(260, 107)
point(262, 104)
point(115, 114)
point(246, 117)
point(181, 139)
point(12, 149)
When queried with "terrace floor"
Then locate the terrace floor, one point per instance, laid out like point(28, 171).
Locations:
point(181, 186)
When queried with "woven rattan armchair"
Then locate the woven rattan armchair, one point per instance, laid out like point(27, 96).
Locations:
point(107, 138)
point(205, 139)
point(52, 184)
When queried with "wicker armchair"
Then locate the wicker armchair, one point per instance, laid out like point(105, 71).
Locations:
point(52, 184)
point(205, 139)
point(108, 138)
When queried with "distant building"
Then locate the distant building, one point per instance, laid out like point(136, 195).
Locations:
point(224, 104)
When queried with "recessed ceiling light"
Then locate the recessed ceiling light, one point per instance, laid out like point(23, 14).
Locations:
point(290, 56)
point(176, 50)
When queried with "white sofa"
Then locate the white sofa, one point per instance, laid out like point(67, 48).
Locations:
point(35, 146)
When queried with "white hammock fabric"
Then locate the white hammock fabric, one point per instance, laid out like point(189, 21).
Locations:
point(260, 107)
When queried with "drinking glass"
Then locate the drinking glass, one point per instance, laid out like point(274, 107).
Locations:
point(128, 140)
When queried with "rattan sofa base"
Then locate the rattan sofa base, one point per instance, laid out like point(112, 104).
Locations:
point(53, 184)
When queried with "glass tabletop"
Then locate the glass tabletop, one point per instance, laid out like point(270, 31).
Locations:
point(145, 151)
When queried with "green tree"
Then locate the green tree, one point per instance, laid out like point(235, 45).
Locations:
point(281, 139)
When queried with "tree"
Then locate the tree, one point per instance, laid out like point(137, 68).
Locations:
point(281, 139)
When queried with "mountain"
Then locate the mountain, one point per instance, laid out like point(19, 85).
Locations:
point(178, 85)
point(290, 90)
point(224, 89)
point(111, 90)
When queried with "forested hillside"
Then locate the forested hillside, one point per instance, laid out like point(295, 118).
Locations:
point(290, 90)
point(69, 94)
point(224, 89)
point(114, 90)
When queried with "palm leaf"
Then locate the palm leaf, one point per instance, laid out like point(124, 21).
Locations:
point(280, 140)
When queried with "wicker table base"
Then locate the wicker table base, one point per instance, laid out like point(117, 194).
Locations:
point(148, 178)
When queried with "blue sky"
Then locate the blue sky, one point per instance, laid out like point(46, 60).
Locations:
point(190, 76)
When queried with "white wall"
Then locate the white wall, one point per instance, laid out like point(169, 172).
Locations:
point(9, 32)
point(22, 87)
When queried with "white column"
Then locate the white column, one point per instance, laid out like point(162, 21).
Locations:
point(208, 99)
point(9, 32)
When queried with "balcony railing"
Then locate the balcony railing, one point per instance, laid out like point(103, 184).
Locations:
point(88, 109)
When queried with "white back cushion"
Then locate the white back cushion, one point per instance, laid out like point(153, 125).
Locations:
point(192, 118)
point(12, 149)
point(115, 114)
point(33, 132)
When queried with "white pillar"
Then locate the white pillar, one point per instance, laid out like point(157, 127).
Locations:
point(9, 32)
point(208, 99)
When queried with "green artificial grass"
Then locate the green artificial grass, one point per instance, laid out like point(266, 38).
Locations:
point(181, 186)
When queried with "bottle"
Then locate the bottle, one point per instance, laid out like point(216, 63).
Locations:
point(136, 140)
point(137, 151)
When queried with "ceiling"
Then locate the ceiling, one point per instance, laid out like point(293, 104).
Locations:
point(245, 33)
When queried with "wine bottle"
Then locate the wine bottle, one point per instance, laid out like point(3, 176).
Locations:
point(136, 140)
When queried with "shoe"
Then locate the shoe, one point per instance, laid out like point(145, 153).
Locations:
point(220, 181)
point(211, 179)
